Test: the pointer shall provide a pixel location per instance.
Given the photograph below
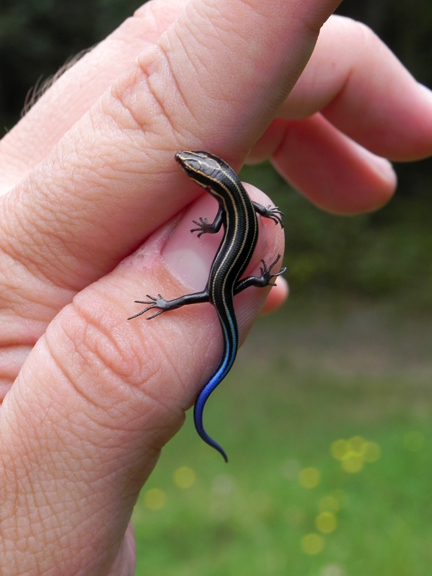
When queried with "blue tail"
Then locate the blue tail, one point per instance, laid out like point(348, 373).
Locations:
point(228, 322)
point(198, 414)
point(219, 374)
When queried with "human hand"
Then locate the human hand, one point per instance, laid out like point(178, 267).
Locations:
point(90, 176)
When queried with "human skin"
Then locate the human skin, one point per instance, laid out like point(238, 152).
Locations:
point(95, 213)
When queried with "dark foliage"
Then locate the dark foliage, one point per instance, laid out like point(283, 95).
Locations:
point(38, 36)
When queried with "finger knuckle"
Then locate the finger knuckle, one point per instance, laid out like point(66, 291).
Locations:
point(147, 100)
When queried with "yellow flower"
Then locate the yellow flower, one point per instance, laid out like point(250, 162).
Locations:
point(312, 544)
point(155, 498)
point(184, 477)
point(326, 522)
point(372, 452)
point(309, 477)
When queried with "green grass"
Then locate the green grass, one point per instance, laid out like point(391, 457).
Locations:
point(302, 382)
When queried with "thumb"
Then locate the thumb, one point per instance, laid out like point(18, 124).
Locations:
point(98, 397)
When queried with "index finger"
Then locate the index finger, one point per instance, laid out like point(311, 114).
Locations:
point(93, 199)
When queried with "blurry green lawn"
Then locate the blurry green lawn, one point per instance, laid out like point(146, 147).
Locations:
point(295, 499)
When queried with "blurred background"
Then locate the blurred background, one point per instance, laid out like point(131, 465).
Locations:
point(326, 416)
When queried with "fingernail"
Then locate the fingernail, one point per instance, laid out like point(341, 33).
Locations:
point(381, 165)
point(188, 257)
point(426, 91)
point(384, 168)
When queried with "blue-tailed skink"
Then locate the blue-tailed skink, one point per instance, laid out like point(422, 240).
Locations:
point(237, 215)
